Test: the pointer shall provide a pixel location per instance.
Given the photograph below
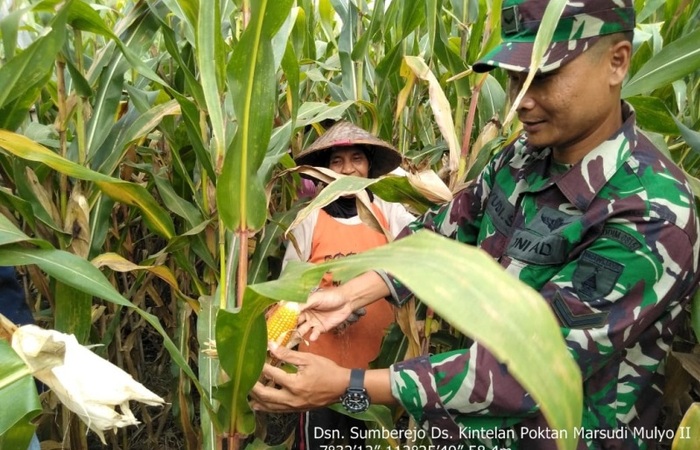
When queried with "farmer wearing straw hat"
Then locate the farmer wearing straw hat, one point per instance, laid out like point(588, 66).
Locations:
point(336, 231)
point(382, 156)
point(584, 209)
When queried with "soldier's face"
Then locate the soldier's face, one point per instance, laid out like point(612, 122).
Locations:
point(575, 108)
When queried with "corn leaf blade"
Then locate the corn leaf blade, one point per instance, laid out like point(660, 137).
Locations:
point(125, 192)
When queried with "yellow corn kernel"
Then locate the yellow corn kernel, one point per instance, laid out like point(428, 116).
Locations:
point(282, 322)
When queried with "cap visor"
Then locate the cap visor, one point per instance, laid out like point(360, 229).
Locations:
point(517, 56)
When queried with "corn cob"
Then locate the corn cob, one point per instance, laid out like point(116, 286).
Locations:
point(282, 322)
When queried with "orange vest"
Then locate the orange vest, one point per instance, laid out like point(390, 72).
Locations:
point(359, 343)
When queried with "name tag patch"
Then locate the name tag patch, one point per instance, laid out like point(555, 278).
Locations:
point(534, 248)
point(500, 211)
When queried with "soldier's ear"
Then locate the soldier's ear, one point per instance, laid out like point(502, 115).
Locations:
point(619, 61)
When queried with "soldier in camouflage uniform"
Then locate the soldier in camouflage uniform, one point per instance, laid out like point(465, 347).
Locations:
point(583, 208)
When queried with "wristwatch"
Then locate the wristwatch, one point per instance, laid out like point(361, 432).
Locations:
point(355, 400)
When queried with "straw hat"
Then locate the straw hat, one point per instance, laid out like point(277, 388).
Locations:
point(383, 157)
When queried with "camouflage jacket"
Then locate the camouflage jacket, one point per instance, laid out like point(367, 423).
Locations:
point(611, 244)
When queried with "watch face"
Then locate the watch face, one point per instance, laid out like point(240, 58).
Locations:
point(355, 400)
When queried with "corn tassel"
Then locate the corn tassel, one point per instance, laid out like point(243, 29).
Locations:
point(282, 322)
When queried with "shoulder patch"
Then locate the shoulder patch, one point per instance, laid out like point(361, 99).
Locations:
point(595, 276)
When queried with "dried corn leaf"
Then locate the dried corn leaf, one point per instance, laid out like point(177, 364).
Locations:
point(429, 184)
point(77, 223)
point(7, 328)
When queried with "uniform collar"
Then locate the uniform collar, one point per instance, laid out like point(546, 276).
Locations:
point(585, 179)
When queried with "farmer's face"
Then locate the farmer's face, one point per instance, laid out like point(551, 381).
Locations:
point(349, 161)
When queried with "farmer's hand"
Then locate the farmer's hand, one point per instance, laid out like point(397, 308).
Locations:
point(318, 382)
point(353, 318)
point(325, 309)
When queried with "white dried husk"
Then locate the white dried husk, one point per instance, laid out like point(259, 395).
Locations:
point(85, 383)
point(429, 184)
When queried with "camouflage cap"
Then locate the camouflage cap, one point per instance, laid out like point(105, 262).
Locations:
point(579, 27)
point(382, 156)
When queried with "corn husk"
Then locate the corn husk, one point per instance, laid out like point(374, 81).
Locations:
point(491, 131)
point(88, 385)
point(429, 184)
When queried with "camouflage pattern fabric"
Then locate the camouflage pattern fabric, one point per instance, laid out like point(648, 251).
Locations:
point(579, 26)
point(612, 245)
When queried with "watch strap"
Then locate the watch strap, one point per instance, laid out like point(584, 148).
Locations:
point(357, 379)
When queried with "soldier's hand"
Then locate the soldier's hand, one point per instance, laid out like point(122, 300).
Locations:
point(317, 382)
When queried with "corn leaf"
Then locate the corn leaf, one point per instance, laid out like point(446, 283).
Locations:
point(73, 311)
point(691, 137)
point(241, 342)
point(209, 368)
point(653, 115)
point(9, 26)
point(274, 230)
point(187, 11)
point(676, 60)
point(83, 17)
point(251, 74)
point(210, 59)
point(17, 388)
point(125, 192)
point(31, 65)
point(687, 436)
point(441, 109)
point(135, 33)
point(137, 129)
point(10, 234)
point(371, 33)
